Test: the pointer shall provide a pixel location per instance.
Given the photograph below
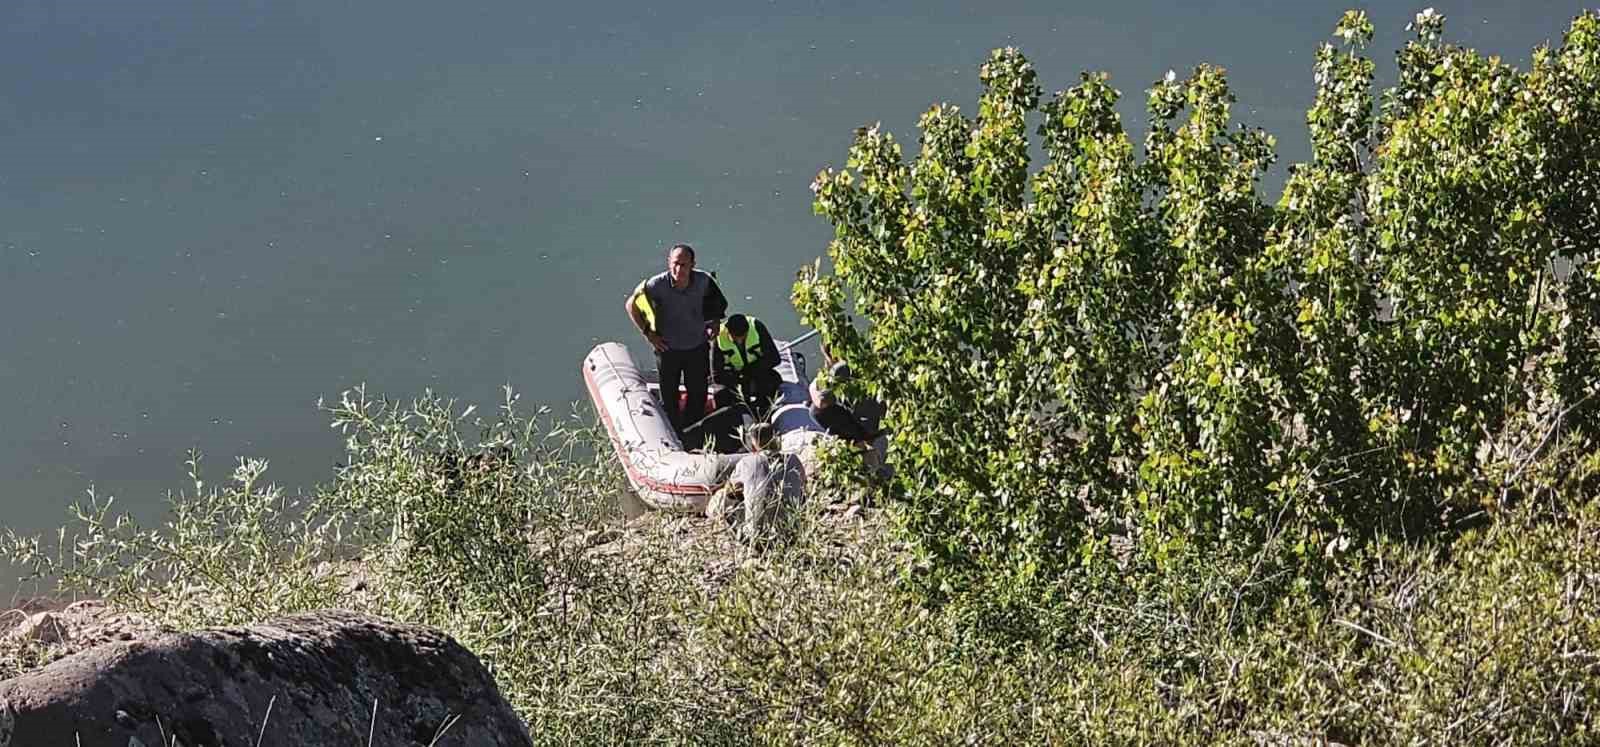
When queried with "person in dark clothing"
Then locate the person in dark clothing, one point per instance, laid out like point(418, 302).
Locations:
point(836, 417)
point(677, 311)
point(745, 362)
point(839, 420)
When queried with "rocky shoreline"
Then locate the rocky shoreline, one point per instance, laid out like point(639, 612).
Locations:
point(327, 677)
point(90, 673)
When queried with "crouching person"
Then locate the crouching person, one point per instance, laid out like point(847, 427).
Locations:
point(839, 421)
point(766, 488)
point(745, 363)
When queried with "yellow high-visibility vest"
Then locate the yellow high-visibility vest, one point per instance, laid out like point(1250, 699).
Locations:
point(731, 352)
point(641, 301)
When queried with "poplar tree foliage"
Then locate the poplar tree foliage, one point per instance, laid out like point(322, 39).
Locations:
point(1118, 357)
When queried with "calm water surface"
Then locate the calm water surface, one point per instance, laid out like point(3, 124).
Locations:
point(212, 213)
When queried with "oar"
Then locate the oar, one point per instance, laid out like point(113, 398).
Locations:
point(709, 415)
point(798, 340)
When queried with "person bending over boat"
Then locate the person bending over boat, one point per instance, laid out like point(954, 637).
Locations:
point(677, 311)
point(835, 417)
point(745, 362)
point(840, 421)
point(766, 485)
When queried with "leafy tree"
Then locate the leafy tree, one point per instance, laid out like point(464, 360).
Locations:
point(1110, 358)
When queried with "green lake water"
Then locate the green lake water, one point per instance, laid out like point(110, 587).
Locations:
point(211, 214)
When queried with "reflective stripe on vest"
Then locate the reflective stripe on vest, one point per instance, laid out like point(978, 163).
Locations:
point(731, 352)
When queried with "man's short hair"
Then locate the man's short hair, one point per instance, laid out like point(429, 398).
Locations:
point(685, 247)
point(737, 324)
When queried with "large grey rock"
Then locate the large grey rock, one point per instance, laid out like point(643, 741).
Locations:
point(319, 673)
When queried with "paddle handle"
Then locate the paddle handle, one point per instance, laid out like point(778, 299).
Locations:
point(798, 340)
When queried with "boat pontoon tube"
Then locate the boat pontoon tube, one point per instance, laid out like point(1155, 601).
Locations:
point(662, 473)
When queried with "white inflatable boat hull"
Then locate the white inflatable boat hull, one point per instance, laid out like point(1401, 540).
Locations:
point(660, 471)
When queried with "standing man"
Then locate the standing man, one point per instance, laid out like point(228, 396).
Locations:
point(676, 311)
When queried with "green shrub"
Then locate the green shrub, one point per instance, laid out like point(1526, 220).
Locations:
point(1109, 351)
point(227, 555)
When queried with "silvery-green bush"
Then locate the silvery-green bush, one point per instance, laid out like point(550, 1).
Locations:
point(1114, 352)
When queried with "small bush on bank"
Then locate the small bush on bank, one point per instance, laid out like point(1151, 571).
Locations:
point(228, 554)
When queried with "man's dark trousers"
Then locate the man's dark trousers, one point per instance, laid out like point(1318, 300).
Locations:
point(691, 367)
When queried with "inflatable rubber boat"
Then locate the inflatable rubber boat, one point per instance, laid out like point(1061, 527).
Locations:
point(662, 472)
